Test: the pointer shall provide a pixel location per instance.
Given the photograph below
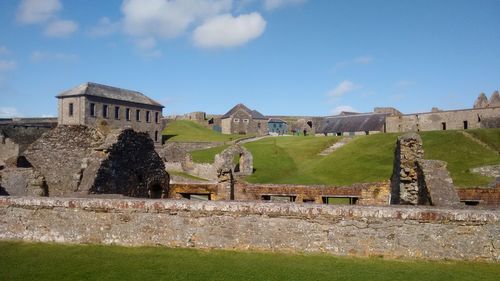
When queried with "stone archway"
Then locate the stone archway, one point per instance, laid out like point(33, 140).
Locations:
point(224, 161)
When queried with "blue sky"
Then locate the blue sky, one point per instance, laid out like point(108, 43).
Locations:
point(281, 57)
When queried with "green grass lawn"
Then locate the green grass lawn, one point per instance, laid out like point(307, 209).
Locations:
point(295, 160)
point(185, 175)
point(183, 130)
point(207, 155)
point(461, 154)
point(23, 261)
point(490, 136)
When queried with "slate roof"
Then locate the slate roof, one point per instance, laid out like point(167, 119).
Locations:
point(104, 91)
point(276, 120)
point(354, 123)
point(254, 113)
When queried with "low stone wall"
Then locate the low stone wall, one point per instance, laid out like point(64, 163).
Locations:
point(393, 232)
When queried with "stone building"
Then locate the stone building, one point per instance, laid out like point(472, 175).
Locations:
point(242, 120)
point(354, 124)
point(277, 126)
point(106, 107)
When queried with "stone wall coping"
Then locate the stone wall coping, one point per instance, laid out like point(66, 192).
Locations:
point(286, 210)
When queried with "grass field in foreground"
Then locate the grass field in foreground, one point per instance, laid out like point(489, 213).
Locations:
point(184, 130)
point(22, 261)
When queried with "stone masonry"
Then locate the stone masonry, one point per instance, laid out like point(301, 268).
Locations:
point(405, 188)
point(126, 164)
point(391, 232)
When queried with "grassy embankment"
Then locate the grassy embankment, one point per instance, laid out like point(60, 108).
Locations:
point(295, 160)
point(183, 130)
point(23, 261)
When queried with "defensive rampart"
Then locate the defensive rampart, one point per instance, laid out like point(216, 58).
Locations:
point(394, 232)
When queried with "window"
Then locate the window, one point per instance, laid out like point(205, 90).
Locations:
point(92, 109)
point(127, 114)
point(246, 121)
point(138, 115)
point(258, 125)
point(340, 200)
point(157, 117)
point(70, 113)
point(466, 125)
point(148, 116)
point(105, 111)
point(443, 126)
point(117, 112)
point(236, 120)
point(279, 198)
point(156, 135)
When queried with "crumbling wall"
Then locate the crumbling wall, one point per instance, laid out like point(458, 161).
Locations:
point(436, 185)
point(392, 232)
point(224, 161)
point(61, 156)
point(15, 181)
point(126, 163)
point(416, 181)
point(404, 182)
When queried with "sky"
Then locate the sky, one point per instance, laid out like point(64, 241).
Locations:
point(280, 57)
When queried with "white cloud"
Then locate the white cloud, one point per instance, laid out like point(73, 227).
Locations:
point(4, 50)
point(104, 27)
point(7, 65)
point(147, 47)
point(343, 88)
point(37, 11)
point(39, 56)
point(60, 28)
point(228, 31)
point(363, 60)
point(168, 19)
point(7, 112)
point(275, 4)
point(337, 110)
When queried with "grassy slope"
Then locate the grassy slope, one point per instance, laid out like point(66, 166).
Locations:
point(183, 130)
point(491, 137)
point(461, 154)
point(207, 155)
point(287, 159)
point(294, 160)
point(21, 261)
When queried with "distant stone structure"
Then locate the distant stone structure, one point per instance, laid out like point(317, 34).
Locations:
point(107, 108)
point(484, 114)
point(354, 124)
point(242, 120)
point(277, 126)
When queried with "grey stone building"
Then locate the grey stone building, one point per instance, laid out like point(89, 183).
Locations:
point(242, 120)
point(106, 107)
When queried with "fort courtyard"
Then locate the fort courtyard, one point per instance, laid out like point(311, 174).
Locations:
point(249, 140)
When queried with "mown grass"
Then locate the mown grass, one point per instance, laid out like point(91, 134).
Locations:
point(207, 155)
point(184, 130)
point(490, 136)
point(461, 154)
point(185, 175)
point(23, 261)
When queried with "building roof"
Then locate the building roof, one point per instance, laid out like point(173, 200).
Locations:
point(254, 113)
point(276, 120)
point(104, 91)
point(354, 123)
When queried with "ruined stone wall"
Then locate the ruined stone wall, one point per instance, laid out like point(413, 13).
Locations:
point(392, 232)
point(17, 136)
point(484, 196)
point(404, 181)
point(61, 156)
point(177, 151)
point(126, 164)
point(366, 193)
point(433, 121)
